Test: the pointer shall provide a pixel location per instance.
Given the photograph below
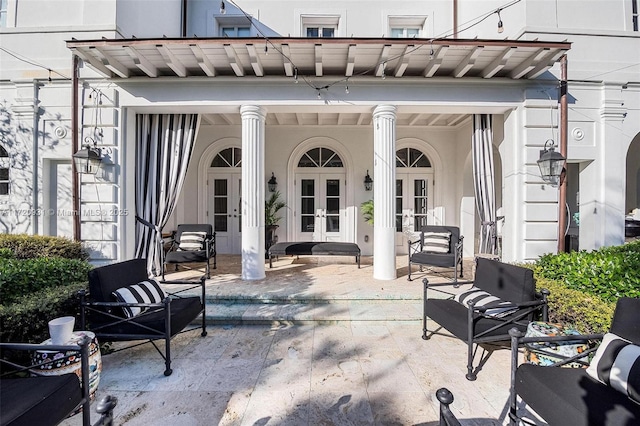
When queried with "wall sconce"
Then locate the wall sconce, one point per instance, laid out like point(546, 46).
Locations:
point(368, 182)
point(273, 183)
point(551, 164)
point(88, 159)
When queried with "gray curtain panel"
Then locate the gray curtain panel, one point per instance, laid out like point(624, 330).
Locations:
point(483, 180)
point(164, 143)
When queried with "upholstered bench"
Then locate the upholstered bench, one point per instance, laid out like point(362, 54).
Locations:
point(311, 248)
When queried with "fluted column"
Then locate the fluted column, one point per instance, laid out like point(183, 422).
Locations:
point(384, 192)
point(253, 119)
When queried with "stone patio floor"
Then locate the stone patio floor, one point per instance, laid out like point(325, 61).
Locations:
point(358, 369)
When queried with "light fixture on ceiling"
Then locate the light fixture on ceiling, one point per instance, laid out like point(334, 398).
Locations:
point(272, 183)
point(551, 164)
point(368, 182)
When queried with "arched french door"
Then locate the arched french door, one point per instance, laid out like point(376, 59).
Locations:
point(223, 199)
point(320, 191)
point(414, 194)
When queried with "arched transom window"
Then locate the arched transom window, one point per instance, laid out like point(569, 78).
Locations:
point(320, 157)
point(229, 157)
point(411, 157)
point(4, 171)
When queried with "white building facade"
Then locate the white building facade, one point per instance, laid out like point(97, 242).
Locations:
point(321, 96)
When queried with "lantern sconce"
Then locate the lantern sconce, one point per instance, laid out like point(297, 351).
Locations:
point(551, 164)
point(88, 159)
point(273, 183)
point(368, 182)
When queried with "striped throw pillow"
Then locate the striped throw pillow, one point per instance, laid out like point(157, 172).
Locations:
point(436, 242)
point(617, 364)
point(148, 291)
point(192, 241)
point(496, 307)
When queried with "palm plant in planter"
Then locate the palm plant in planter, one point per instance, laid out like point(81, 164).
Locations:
point(367, 211)
point(271, 208)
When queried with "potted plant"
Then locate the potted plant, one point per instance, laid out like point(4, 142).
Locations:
point(271, 208)
point(367, 211)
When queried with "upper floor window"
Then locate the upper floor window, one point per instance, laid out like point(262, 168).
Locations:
point(233, 26)
point(405, 32)
point(406, 26)
point(3, 13)
point(320, 26)
point(4, 171)
point(235, 31)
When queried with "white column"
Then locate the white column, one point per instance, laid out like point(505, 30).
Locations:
point(384, 192)
point(253, 119)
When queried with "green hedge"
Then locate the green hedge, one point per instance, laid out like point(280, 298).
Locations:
point(19, 277)
point(26, 246)
point(587, 313)
point(26, 319)
point(609, 273)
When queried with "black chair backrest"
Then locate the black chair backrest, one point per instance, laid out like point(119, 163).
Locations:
point(508, 282)
point(103, 280)
point(626, 319)
point(454, 230)
point(193, 227)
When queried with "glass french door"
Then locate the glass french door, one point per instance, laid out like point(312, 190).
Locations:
point(414, 205)
point(320, 209)
point(224, 211)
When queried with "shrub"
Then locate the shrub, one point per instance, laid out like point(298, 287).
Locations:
point(27, 319)
point(21, 277)
point(33, 246)
point(587, 313)
point(610, 273)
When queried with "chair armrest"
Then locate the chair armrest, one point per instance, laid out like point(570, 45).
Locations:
point(425, 281)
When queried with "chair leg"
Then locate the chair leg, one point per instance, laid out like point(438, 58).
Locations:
point(204, 310)
point(208, 270)
point(167, 338)
point(409, 275)
point(425, 282)
point(471, 376)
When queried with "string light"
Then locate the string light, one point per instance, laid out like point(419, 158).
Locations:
point(319, 96)
point(295, 75)
point(346, 89)
point(222, 8)
point(500, 26)
point(266, 46)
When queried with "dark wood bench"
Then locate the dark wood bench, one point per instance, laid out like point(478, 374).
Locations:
point(311, 248)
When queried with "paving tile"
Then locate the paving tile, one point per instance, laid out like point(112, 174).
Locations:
point(340, 408)
point(286, 407)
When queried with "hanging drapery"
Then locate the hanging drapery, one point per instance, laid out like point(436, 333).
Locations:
point(164, 143)
point(483, 181)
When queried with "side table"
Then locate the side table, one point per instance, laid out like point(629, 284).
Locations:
point(547, 353)
point(58, 363)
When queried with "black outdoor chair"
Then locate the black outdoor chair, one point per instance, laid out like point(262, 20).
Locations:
point(476, 319)
point(192, 243)
point(571, 396)
point(161, 318)
point(29, 398)
point(438, 246)
point(447, 418)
